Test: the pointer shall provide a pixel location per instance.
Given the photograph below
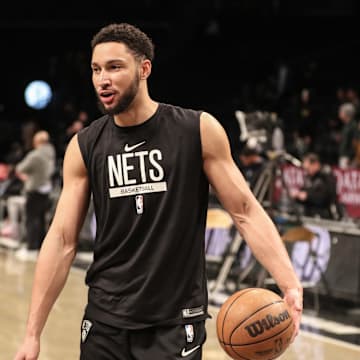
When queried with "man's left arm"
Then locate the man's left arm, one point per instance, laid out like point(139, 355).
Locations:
point(25, 166)
point(249, 217)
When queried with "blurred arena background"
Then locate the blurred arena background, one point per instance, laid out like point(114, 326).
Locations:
point(217, 54)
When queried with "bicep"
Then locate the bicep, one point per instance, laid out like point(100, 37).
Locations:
point(73, 202)
point(223, 174)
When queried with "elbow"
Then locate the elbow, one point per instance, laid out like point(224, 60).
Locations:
point(69, 251)
point(249, 215)
point(68, 246)
point(241, 214)
point(244, 208)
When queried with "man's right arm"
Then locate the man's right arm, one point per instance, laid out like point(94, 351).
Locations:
point(58, 249)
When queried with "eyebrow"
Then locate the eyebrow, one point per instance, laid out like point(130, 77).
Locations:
point(109, 62)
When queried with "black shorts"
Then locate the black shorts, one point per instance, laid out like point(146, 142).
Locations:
point(103, 342)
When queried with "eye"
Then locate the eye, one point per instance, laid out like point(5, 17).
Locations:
point(95, 70)
point(115, 67)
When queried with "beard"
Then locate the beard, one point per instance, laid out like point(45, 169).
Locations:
point(124, 102)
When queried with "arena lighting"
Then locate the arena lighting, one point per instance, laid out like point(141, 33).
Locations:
point(38, 94)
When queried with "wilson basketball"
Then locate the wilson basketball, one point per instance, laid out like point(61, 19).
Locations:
point(254, 324)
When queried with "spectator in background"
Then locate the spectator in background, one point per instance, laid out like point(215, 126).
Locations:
point(36, 170)
point(306, 118)
point(349, 130)
point(79, 123)
point(331, 132)
point(13, 193)
point(14, 204)
point(352, 96)
point(355, 163)
point(318, 195)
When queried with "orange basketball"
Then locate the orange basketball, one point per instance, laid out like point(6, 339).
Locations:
point(254, 324)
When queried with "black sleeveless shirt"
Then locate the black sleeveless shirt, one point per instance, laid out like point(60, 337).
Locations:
point(150, 196)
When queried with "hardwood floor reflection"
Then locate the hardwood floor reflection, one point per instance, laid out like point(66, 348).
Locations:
point(61, 335)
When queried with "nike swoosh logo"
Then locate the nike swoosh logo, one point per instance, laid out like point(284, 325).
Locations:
point(185, 353)
point(131, 148)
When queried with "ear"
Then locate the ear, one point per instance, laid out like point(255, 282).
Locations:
point(145, 69)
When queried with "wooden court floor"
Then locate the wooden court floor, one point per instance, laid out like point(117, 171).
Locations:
point(61, 335)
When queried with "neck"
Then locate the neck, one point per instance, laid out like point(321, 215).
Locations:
point(139, 111)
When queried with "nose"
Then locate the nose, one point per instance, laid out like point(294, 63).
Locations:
point(104, 77)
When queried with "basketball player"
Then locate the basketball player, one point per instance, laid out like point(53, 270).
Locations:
point(148, 166)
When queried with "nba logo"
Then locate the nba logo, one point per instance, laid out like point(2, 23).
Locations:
point(85, 329)
point(189, 329)
point(139, 203)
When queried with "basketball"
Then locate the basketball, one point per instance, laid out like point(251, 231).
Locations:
point(254, 324)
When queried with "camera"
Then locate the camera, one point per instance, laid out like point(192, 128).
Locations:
point(260, 130)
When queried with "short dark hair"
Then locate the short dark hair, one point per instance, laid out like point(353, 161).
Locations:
point(136, 40)
point(312, 158)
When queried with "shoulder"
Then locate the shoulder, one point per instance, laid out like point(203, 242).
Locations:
point(211, 127)
point(73, 150)
point(47, 148)
point(209, 121)
point(181, 119)
point(180, 113)
point(213, 136)
point(327, 174)
point(88, 135)
point(32, 155)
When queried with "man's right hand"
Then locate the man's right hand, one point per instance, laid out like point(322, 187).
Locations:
point(29, 350)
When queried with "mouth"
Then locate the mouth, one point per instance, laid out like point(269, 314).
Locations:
point(107, 96)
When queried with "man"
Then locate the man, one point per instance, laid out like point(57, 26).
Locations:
point(36, 170)
point(318, 195)
point(348, 135)
point(148, 166)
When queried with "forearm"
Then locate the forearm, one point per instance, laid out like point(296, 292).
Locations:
point(264, 240)
point(51, 272)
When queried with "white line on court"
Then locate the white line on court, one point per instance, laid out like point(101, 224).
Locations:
point(329, 326)
point(329, 340)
